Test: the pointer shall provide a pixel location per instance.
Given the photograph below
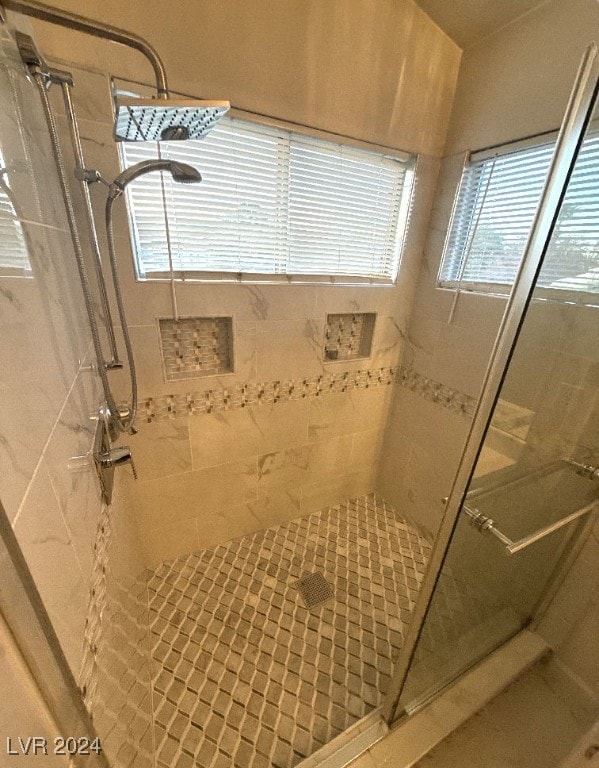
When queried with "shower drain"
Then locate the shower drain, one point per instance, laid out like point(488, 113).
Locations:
point(314, 589)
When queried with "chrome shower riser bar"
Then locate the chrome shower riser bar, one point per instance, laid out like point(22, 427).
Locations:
point(42, 78)
point(37, 66)
point(80, 167)
point(82, 175)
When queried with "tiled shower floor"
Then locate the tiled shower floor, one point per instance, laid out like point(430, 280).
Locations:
point(244, 674)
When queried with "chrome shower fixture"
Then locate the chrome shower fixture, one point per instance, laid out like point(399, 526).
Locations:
point(181, 172)
point(163, 119)
point(166, 119)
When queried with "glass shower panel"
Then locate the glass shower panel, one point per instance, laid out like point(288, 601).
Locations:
point(84, 557)
point(533, 469)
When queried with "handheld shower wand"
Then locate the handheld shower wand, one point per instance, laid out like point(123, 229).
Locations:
point(182, 173)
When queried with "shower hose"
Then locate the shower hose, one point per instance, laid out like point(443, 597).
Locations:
point(123, 424)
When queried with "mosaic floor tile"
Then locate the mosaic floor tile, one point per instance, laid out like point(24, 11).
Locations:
point(244, 673)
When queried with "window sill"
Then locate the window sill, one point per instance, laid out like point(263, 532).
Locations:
point(559, 295)
point(247, 278)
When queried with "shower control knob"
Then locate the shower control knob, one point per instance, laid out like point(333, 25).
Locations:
point(115, 457)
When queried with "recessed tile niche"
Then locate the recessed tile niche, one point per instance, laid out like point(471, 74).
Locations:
point(193, 347)
point(348, 336)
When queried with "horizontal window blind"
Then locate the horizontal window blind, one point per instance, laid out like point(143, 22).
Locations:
point(494, 212)
point(14, 259)
point(271, 202)
point(572, 259)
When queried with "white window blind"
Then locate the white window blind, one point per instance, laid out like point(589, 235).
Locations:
point(14, 259)
point(271, 203)
point(493, 215)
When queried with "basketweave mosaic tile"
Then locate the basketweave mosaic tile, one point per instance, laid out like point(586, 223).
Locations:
point(243, 395)
point(244, 673)
point(196, 346)
point(348, 336)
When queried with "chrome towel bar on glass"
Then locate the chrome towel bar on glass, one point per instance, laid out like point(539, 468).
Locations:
point(487, 525)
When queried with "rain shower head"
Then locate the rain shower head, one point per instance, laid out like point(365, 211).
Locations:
point(166, 119)
point(181, 172)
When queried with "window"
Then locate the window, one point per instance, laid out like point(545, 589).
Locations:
point(494, 212)
point(271, 203)
point(14, 258)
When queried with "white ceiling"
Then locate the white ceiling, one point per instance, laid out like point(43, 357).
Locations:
point(467, 21)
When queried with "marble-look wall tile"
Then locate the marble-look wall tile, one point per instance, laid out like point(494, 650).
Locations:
point(238, 434)
point(162, 449)
point(92, 97)
point(216, 527)
point(277, 506)
point(361, 298)
point(366, 448)
point(579, 652)
point(461, 357)
point(387, 344)
point(145, 341)
point(421, 450)
point(43, 343)
point(101, 153)
point(569, 624)
point(71, 468)
point(54, 270)
point(25, 145)
point(344, 413)
point(188, 495)
point(46, 542)
point(245, 302)
point(280, 302)
point(168, 541)
point(328, 491)
point(294, 467)
point(290, 348)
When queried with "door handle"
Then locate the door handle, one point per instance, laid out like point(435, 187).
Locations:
point(486, 524)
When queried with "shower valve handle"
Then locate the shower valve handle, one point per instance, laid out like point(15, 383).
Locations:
point(115, 457)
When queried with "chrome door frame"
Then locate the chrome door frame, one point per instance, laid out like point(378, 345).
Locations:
point(578, 113)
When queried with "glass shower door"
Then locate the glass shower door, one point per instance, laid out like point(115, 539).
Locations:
point(534, 488)
point(484, 594)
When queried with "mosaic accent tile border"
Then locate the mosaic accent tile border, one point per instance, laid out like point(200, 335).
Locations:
point(88, 676)
point(115, 677)
point(244, 674)
point(241, 395)
point(434, 392)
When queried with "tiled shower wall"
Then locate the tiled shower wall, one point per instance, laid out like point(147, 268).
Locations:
point(424, 440)
point(49, 392)
point(213, 476)
point(284, 434)
point(48, 486)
